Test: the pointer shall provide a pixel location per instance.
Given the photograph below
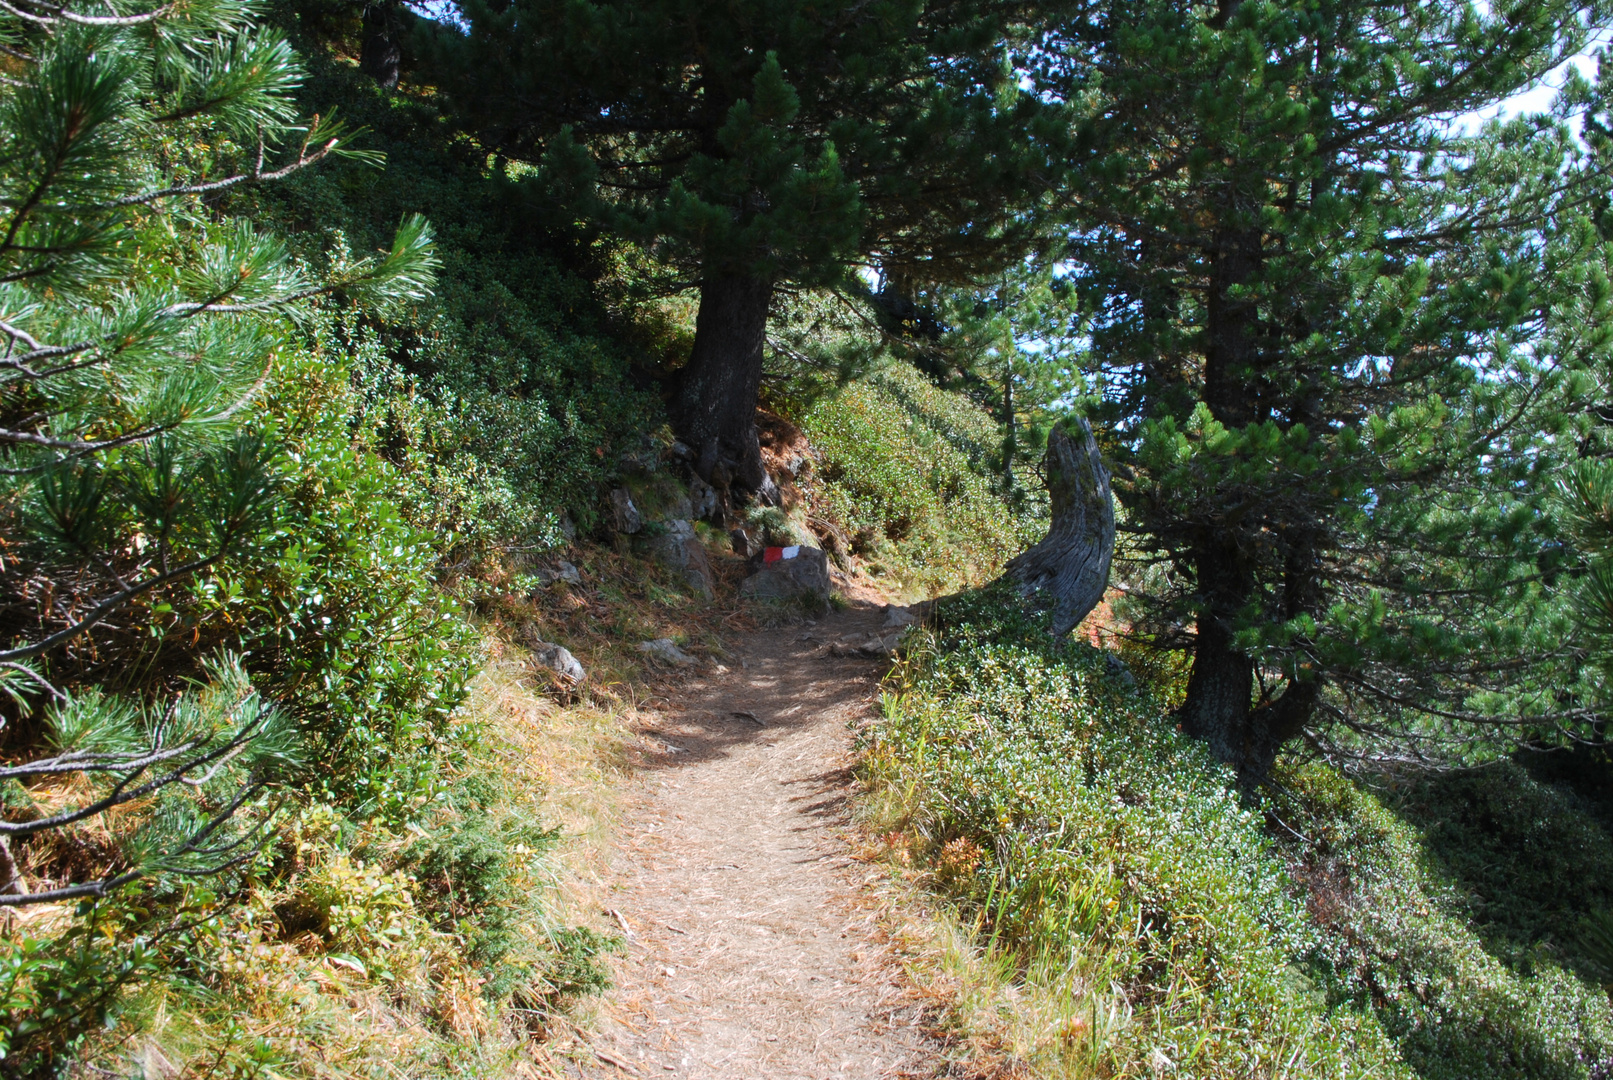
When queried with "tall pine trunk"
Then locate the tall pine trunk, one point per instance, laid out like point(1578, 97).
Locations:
point(1220, 707)
point(381, 57)
point(716, 409)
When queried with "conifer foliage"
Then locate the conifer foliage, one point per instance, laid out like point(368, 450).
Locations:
point(1319, 314)
point(767, 144)
point(134, 336)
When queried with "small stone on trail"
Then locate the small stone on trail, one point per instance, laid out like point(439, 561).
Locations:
point(873, 646)
point(666, 651)
point(558, 659)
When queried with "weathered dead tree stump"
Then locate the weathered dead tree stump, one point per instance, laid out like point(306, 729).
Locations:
point(1068, 570)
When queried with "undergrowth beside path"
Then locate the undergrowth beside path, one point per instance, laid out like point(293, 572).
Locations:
point(1144, 919)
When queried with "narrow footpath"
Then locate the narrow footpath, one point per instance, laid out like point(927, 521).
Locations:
point(753, 951)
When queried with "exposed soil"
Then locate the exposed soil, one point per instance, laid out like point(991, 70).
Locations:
point(753, 949)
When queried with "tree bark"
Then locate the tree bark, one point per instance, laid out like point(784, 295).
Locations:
point(381, 57)
point(716, 407)
point(1220, 707)
point(1068, 570)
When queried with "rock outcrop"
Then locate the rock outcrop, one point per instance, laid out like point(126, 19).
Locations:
point(678, 549)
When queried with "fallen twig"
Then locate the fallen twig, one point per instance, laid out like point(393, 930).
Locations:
point(610, 1059)
point(622, 920)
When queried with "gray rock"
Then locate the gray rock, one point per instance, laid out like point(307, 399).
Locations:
point(1118, 670)
point(744, 545)
point(897, 616)
point(875, 646)
point(702, 500)
point(565, 572)
point(678, 509)
point(568, 528)
point(879, 646)
point(804, 577)
point(627, 516)
point(558, 659)
point(666, 651)
point(678, 549)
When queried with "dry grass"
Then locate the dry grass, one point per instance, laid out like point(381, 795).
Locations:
point(1000, 1018)
point(392, 996)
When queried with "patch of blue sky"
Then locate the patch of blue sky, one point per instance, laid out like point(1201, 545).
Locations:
point(1538, 96)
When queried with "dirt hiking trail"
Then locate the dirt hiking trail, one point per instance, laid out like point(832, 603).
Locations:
point(753, 951)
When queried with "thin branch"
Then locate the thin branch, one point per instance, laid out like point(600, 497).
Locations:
point(256, 176)
point(102, 610)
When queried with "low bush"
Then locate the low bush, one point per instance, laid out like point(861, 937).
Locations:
point(899, 470)
point(1531, 859)
point(1167, 918)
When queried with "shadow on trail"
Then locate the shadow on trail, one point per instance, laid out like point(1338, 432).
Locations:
point(784, 678)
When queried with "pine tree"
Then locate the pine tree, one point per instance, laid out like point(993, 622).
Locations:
point(764, 143)
point(1311, 301)
point(135, 334)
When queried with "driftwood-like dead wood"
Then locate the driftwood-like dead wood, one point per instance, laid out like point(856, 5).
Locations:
point(1068, 570)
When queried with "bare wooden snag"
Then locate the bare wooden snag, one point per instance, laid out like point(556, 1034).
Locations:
point(1068, 570)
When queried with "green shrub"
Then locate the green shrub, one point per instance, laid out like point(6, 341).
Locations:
point(1397, 941)
point(1101, 848)
point(1531, 860)
point(512, 387)
point(901, 469)
point(339, 616)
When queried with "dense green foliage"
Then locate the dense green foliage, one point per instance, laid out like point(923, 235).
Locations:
point(1317, 309)
point(506, 398)
point(272, 446)
point(1114, 860)
point(904, 471)
point(218, 565)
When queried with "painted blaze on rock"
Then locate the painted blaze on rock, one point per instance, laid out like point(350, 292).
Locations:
point(783, 576)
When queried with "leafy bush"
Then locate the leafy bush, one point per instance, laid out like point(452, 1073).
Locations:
point(900, 470)
point(1531, 861)
point(348, 623)
point(1119, 866)
point(506, 398)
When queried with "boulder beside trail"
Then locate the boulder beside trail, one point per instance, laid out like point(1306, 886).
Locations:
point(898, 617)
point(873, 646)
point(804, 576)
point(626, 516)
point(678, 549)
point(558, 659)
point(665, 650)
